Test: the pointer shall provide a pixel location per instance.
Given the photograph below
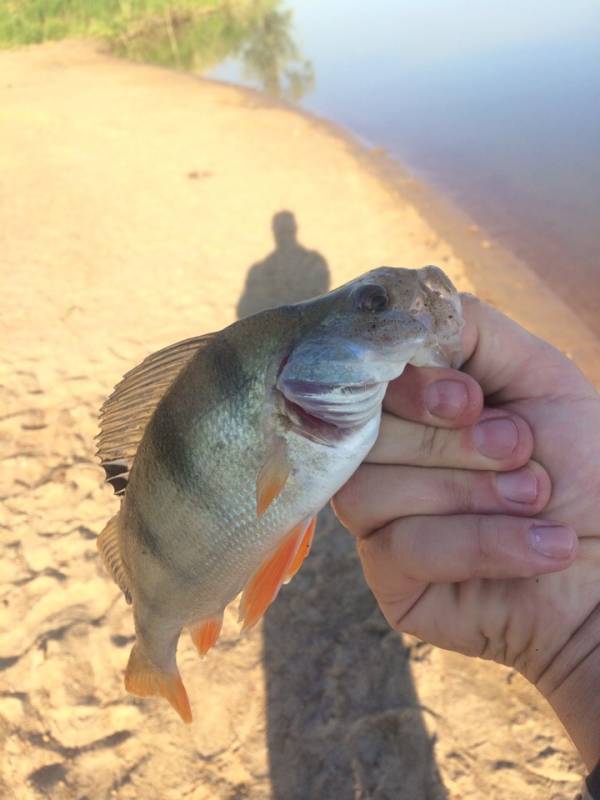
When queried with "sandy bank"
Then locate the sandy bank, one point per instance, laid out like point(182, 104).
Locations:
point(133, 203)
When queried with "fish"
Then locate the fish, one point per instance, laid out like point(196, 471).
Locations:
point(224, 447)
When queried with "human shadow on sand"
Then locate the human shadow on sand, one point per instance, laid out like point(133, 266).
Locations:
point(289, 274)
point(343, 716)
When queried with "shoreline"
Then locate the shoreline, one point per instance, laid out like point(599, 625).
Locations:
point(493, 269)
point(136, 201)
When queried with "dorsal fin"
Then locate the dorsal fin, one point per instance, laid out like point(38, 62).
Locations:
point(124, 416)
point(108, 545)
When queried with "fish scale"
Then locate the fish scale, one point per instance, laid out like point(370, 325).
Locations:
point(226, 446)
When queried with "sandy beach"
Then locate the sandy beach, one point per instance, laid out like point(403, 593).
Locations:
point(134, 202)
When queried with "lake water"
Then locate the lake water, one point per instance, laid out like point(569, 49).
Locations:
point(496, 104)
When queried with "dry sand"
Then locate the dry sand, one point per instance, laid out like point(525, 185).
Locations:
point(133, 202)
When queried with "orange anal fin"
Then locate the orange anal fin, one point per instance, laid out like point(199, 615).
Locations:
point(273, 475)
point(144, 679)
point(205, 634)
point(264, 585)
point(302, 551)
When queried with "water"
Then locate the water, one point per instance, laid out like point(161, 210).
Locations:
point(496, 104)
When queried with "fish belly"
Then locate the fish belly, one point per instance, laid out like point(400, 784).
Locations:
point(201, 550)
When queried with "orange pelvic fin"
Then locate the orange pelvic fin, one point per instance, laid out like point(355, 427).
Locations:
point(264, 585)
point(144, 679)
point(205, 634)
point(302, 551)
point(272, 476)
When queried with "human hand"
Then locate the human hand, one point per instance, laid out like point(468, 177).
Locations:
point(453, 564)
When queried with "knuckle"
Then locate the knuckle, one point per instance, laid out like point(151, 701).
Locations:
point(486, 537)
point(402, 623)
point(379, 555)
point(343, 502)
point(377, 548)
point(459, 492)
point(430, 442)
point(348, 503)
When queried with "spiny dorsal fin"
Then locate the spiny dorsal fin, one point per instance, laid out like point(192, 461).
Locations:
point(108, 545)
point(124, 416)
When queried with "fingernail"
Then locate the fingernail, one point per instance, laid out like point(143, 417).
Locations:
point(552, 541)
point(446, 399)
point(520, 486)
point(496, 437)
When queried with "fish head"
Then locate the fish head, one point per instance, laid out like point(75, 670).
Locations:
point(362, 335)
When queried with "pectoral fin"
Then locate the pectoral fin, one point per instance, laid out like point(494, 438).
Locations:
point(273, 475)
point(206, 633)
point(264, 585)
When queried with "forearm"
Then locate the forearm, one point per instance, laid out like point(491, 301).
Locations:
point(576, 701)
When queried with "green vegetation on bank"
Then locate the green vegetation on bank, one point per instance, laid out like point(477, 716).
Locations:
point(32, 21)
point(189, 34)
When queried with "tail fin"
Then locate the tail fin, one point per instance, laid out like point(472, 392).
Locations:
point(144, 679)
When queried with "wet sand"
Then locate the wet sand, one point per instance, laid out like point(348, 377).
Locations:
point(133, 203)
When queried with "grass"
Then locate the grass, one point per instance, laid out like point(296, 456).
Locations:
point(33, 21)
point(188, 34)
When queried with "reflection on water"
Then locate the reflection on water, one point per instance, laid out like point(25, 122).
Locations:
point(188, 34)
point(257, 35)
point(270, 55)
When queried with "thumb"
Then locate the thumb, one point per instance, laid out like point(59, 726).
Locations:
point(510, 363)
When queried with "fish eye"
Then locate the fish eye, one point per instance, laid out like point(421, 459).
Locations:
point(371, 298)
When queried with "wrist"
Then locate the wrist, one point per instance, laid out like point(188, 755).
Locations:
point(571, 684)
